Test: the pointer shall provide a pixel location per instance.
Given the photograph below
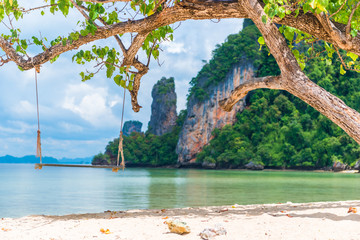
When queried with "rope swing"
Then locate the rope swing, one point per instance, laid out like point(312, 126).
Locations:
point(38, 141)
point(120, 147)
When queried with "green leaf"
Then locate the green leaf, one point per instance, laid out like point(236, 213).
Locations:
point(302, 64)
point(342, 71)
point(261, 41)
point(264, 19)
point(281, 12)
point(296, 53)
point(123, 83)
point(130, 86)
point(117, 79)
point(352, 55)
point(353, 32)
point(289, 34)
point(84, 32)
point(306, 7)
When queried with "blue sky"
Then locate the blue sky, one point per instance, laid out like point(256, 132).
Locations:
point(78, 119)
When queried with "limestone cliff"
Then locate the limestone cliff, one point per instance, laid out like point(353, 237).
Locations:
point(203, 117)
point(163, 107)
point(131, 126)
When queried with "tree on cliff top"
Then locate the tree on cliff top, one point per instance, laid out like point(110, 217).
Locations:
point(331, 25)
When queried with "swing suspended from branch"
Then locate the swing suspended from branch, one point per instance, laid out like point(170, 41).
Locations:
point(115, 168)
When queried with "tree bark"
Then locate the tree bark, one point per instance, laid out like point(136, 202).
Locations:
point(295, 81)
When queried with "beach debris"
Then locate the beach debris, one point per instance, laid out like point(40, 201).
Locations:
point(235, 205)
point(177, 226)
point(223, 210)
point(352, 210)
point(210, 233)
point(163, 210)
point(5, 229)
point(107, 231)
point(289, 215)
point(165, 217)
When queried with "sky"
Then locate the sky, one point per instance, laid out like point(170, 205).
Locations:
point(79, 118)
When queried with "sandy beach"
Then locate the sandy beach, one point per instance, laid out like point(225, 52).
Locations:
point(321, 220)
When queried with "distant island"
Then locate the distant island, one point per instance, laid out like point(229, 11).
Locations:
point(34, 159)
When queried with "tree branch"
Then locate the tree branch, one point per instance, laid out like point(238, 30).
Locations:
point(297, 83)
point(134, 48)
point(240, 91)
point(163, 18)
point(80, 10)
point(348, 26)
point(338, 9)
point(105, 1)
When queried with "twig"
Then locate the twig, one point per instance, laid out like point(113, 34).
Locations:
point(338, 10)
point(348, 26)
point(80, 10)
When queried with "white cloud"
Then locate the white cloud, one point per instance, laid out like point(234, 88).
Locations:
point(16, 127)
point(174, 47)
point(69, 127)
point(24, 108)
point(90, 103)
point(70, 148)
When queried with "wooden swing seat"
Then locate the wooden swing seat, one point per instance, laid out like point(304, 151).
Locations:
point(114, 168)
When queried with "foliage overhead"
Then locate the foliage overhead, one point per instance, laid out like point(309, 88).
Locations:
point(147, 23)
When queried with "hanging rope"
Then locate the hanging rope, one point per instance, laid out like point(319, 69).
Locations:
point(120, 147)
point(38, 142)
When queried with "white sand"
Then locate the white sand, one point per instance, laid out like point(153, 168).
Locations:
point(326, 220)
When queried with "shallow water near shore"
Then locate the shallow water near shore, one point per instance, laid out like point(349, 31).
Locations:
point(59, 191)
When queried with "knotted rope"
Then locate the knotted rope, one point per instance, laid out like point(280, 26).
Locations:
point(120, 147)
point(38, 142)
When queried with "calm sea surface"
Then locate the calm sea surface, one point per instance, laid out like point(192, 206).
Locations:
point(58, 191)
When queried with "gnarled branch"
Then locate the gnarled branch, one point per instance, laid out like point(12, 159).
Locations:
point(270, 82)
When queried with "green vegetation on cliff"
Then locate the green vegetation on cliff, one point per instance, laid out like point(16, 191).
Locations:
point(279, 130)
point(238, 48)
point(145, 149)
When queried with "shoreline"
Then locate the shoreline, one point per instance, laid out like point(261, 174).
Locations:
point(221, 169)
point(316, 220)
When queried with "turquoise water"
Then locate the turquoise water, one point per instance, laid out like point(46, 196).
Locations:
point(58, 191)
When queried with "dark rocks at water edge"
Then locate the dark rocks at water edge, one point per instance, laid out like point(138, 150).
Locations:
point(131, 126)
point(357, 165)
point(254, 166)
point(338, 166)
point(163, 108)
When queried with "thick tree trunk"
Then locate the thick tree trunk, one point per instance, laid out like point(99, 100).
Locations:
point(293, 80)
point(327, 104)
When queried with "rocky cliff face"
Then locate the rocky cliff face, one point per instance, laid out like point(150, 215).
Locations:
point(163, 108)
point(131, 126)
point(203, 117)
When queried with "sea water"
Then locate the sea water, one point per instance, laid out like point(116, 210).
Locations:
point(59, 191)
